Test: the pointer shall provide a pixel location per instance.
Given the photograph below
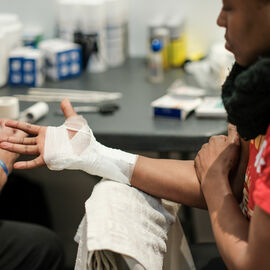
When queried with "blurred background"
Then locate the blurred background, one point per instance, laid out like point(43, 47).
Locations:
point(200, 18)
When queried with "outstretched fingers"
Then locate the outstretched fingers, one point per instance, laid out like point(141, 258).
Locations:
point(17, 140)
point(35, 163)
point(20, 148)
point(26, 127)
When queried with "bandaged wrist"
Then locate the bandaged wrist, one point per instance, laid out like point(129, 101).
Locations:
point(83, 152)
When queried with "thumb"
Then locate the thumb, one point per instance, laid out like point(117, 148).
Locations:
point(67, 108)
point(233, 136)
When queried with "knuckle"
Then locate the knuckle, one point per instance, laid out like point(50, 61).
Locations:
point(213, 139)
point(11, 146)
point(28, 127)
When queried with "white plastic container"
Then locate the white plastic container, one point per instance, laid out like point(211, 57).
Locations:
point(12, 27)
point(10, 37)
point(84, 21)
point(116, 29)
point(92, 24)
point(3, 59)
point(68, 18)
point(9, 107)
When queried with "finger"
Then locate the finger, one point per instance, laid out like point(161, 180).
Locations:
point(2, 122)
point(19, 133)
point(28, 128)
point(19, 140)
point(67, 108)
point(204, 146)
point(220, 138)
point(233, 136)
point(19, 148)
point(35, 163)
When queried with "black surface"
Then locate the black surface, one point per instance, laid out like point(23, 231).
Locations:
point(206, 257)
point(132, 126)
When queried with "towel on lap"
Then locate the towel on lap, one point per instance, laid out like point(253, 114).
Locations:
point(122, 220)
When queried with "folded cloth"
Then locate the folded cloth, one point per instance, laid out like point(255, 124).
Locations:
point(178, 254)
point(122, 220)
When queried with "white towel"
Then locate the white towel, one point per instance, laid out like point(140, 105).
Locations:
point(122, 220)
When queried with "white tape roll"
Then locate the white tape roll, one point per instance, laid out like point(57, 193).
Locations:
point(35, 112)
point(9, 107)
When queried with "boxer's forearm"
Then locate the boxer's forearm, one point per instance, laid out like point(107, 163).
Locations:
point(174, 180)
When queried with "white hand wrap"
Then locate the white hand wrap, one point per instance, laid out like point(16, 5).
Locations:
point(83, 152)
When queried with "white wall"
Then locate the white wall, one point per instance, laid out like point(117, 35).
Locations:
point(201, 18)
point(33, 12)
point(200, 14)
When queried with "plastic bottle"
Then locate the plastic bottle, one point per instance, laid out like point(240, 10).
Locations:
point(163, 34)
point(116, 27)
point(84, 22)
point(93, 28)
point(68, 18)
point(156, 73)
point(178, 41)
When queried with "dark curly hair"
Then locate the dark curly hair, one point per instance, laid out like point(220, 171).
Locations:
point(246, 97)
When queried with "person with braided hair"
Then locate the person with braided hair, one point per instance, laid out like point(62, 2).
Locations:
point(227, 171)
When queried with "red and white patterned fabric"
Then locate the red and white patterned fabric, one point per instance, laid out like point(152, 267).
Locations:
point(257, 180)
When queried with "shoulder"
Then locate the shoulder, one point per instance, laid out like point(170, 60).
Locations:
point(262, 164)
point(266, 146)
point(267, 136)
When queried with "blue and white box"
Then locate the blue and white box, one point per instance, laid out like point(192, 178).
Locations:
point(63, 58)
point(26, 67)
point(174, 106)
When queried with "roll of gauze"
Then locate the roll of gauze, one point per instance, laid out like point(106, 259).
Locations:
point(9, 107)
point(35, 112)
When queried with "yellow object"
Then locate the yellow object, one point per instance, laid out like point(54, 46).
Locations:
point(165, 57)
point(196, 56)
point(178, 51)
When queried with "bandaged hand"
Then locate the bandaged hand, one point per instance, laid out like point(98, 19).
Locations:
point(83, 152)
point(70, 146)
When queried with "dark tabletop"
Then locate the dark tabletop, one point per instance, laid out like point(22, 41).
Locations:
point(133, 127)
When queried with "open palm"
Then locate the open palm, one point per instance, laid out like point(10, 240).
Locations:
point(31, 145)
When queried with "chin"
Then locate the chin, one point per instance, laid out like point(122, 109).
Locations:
point(242, 61)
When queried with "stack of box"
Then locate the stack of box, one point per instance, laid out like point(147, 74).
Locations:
point(26, 67)
point(63, 58)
